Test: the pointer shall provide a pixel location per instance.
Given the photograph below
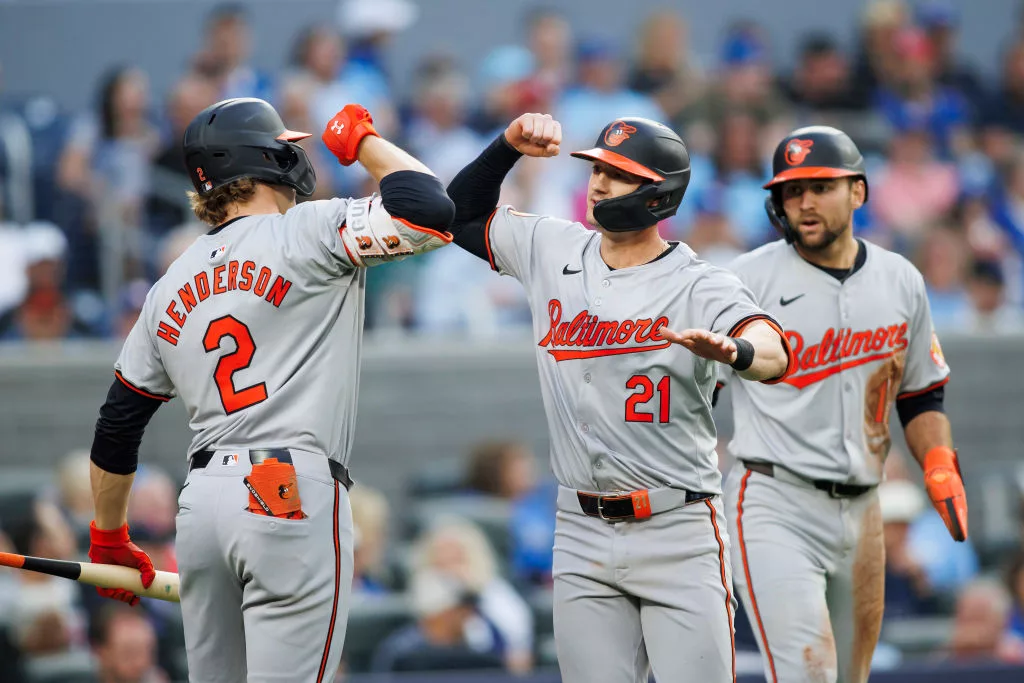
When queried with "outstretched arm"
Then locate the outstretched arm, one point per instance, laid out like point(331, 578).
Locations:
point(758, 354)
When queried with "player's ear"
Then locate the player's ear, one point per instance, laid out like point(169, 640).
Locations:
point(858, 192)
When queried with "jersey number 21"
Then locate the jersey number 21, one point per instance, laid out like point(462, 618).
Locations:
point(645, 387)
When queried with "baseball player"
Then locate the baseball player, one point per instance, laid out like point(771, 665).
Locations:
point(803, 507)
point(258, 327)
point(629, 330)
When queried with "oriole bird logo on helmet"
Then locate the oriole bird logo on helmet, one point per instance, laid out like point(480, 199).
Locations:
point(618, 133)
point(797, 150)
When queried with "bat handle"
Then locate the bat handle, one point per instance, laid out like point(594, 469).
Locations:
point(164, 587)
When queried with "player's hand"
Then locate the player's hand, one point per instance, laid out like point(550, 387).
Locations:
point(945, 488)
point(113, 546)
point(535, 135)
point(704, 343)
point(346, 130)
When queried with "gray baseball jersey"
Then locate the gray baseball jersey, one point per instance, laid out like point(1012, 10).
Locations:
point(812, 578)
point(629, 411)
point(242, 326)
point(859, 345)
point(257, 327)
point(626, 410)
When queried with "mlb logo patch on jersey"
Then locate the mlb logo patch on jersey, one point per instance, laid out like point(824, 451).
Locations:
point(217, 255)
point(230, 460)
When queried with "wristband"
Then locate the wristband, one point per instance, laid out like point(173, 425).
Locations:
point(744, 354)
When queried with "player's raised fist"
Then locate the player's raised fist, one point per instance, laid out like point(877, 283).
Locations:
point(704, 344)
point(535, 135)
point(346, 130)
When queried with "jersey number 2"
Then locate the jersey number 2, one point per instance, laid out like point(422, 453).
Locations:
point(645, 391)
point(239, 359)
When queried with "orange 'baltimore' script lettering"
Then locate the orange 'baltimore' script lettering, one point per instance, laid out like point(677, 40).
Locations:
point(248, 277)
point(586, 331)
point(842, 349)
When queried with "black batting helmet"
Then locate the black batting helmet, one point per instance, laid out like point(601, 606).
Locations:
point(811, 152)
point(245, 138)
point(651, 151)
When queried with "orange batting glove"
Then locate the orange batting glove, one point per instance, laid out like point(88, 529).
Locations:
point(946, 489)
point(113, 546)
point(346, 130)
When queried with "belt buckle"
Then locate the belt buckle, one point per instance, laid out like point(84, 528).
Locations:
point(834, 492)
point(600, 510)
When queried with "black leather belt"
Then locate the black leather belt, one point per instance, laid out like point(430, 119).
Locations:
point(832, 488)
point(622, 506)
point(201, 459)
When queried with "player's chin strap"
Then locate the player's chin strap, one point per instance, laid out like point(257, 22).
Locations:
point(778, 219)
point(373, 236)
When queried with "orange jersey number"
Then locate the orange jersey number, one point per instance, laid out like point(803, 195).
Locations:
point(645, 392)
point(230, 363)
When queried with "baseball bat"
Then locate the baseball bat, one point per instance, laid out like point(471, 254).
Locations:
point(164, 586)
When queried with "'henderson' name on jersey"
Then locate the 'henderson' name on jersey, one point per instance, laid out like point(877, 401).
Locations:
point(222, 278)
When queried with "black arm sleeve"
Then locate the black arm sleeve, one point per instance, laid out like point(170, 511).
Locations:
point(123, 419)
point(476, 190)
point(418, 198)
point(912, 406)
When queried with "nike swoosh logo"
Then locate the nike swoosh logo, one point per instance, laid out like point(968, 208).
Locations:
point(785, 302)
point(566, 271)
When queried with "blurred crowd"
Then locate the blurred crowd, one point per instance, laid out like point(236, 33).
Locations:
point(98, 211)
point(456, 573)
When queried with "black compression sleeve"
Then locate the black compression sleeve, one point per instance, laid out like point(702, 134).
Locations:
point(476, 191)
point(123, 419)
point(418, 198)
point(912, 406)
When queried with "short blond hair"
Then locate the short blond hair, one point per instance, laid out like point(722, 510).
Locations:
point(212, 208)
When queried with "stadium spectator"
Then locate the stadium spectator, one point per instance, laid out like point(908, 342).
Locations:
point(46, 615)
point(915, 99)
point(820, 84)
point(913, 190)
point(458, 549)
point(877, 58)
point(106, 166)
point(981, 626)
point(449, 633)
point(124, 645)
point(74, 496)
point(663, 67)
point(166, 204)
point(550, 41)
point(940, 21)
point(990, 313)
point(943, 260)
point(224, 55)
point(370, 519)
point(1005, 110)
point(503, 469)
point(45, 314)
